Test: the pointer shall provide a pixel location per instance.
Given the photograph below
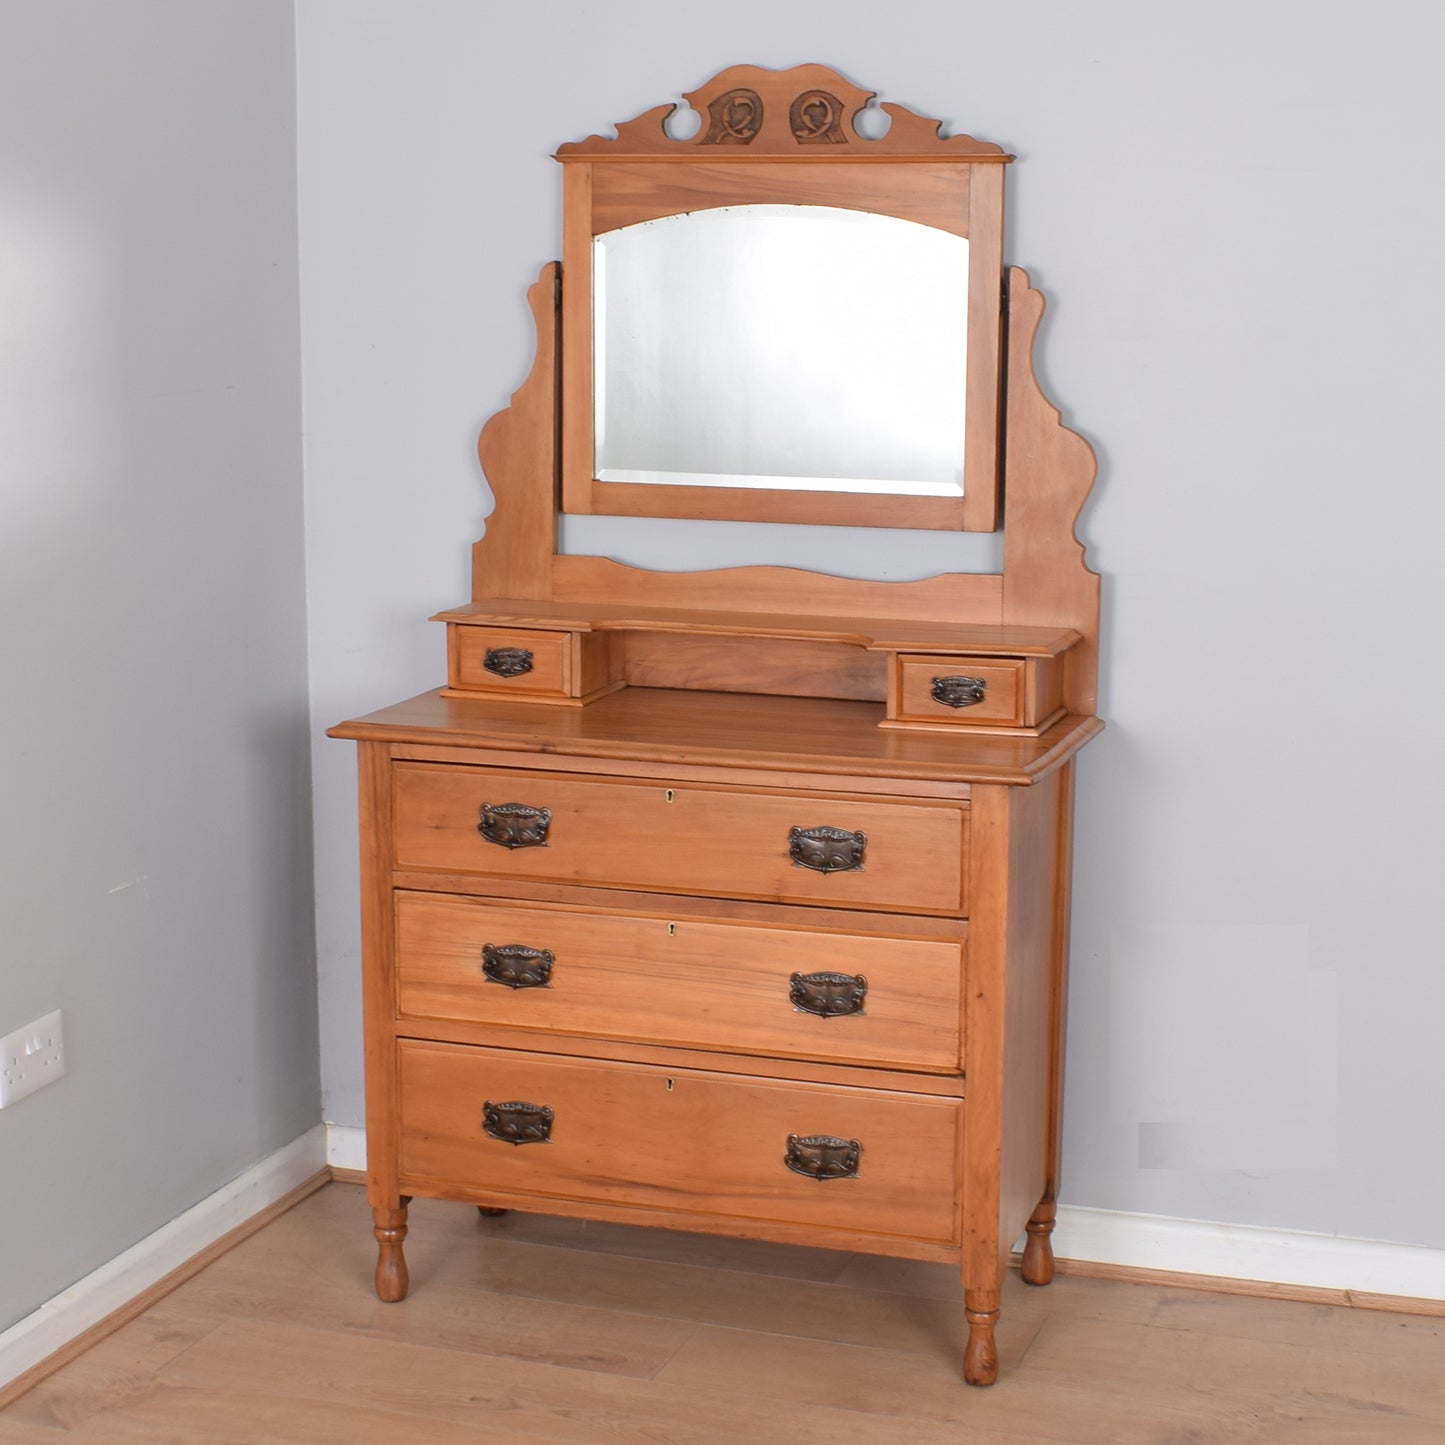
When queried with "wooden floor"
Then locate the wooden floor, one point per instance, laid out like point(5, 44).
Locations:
point(535, 1329)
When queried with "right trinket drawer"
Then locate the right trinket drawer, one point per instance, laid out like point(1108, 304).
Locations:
point(985, 694)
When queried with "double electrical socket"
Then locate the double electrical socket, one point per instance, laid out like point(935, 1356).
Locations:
point(30, 1058)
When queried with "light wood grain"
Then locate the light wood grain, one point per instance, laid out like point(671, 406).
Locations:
point(689, 838)
point(749, 709)
point(750, 617)
point(755, 147)
point(378, 991)
point(693, 1142)
point(667, 978)
point(1021, 695)
point(549, 669)
point(909, 135)
point(784, 668)
point(518, 450)
point(788, 738)
point(571, 399)
point(1030, 1003)
point(781, 506)
point(1003, 689)
point(982, 386)
point(930, 194)
point(1048, 473)
point(953, 597)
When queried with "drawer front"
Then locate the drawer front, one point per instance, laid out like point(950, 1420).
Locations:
point(683, 839)
point(944, 689)
point(706, 1144)
point(699, 983)
point(510, 660)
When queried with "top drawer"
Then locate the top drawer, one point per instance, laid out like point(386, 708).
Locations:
point(687, 838)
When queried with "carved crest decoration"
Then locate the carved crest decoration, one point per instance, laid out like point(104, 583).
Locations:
point(808, 110)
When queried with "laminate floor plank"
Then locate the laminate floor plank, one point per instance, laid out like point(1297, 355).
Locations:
point(449, 1317)
point(518, 1399)
point(21, 1432)
point(1369, 1385)
point(1245, 1317)
point(888, 1387)
point(523, 1329)
point(111, 1371)
point(180, 1416)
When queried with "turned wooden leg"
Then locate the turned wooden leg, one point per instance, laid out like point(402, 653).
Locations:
point(980, 1357)
point(389, 1227)
point(488, 1212)
point(1037, 1266)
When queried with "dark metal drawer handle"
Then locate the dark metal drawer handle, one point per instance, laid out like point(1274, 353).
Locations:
point(959, 691)
point(518, 966)
point(821, 1156)
point(508, 661)
point(515, 825)
point(829, 995)
point(517, 1122)
point(826, 850)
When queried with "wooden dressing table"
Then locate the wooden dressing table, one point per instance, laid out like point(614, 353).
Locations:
point(737, 901)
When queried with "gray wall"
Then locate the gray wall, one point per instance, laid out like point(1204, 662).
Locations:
point(155, 867)
point(1236, 214)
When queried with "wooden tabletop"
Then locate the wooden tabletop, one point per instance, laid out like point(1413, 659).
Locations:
point(714, 729)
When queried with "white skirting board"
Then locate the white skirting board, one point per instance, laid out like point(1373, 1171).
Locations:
point(1182, 1246)
point(103, 1291)
point(1240, 1251)
point(346, 1147)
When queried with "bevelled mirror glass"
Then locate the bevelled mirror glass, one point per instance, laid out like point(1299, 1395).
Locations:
point(797, 347)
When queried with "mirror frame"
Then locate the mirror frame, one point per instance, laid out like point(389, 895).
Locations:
point(785, 137)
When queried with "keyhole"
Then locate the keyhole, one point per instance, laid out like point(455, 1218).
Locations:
point(672, 930)
point(669, 1086)
point(670, 795)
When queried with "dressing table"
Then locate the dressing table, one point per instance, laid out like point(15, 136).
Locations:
point(736, 901)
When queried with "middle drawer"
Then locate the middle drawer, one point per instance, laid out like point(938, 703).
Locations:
point(907, 857)
point(743, 985)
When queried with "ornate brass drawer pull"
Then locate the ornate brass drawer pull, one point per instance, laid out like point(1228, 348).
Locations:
point(518, 966)
point(515, 825)
point(517, 1122)
point(829, 995)
point(508, 661)
point(959, 691)
point(826, 850)
point(821, 1156)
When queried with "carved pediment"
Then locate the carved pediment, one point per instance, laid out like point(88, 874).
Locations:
point(808, 112)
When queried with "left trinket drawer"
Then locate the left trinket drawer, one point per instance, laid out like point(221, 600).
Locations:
point(530, 664)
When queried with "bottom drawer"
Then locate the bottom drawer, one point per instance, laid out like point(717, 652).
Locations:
point(704, 1144)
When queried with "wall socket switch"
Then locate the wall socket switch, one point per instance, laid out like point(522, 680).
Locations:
point(30, 1058)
